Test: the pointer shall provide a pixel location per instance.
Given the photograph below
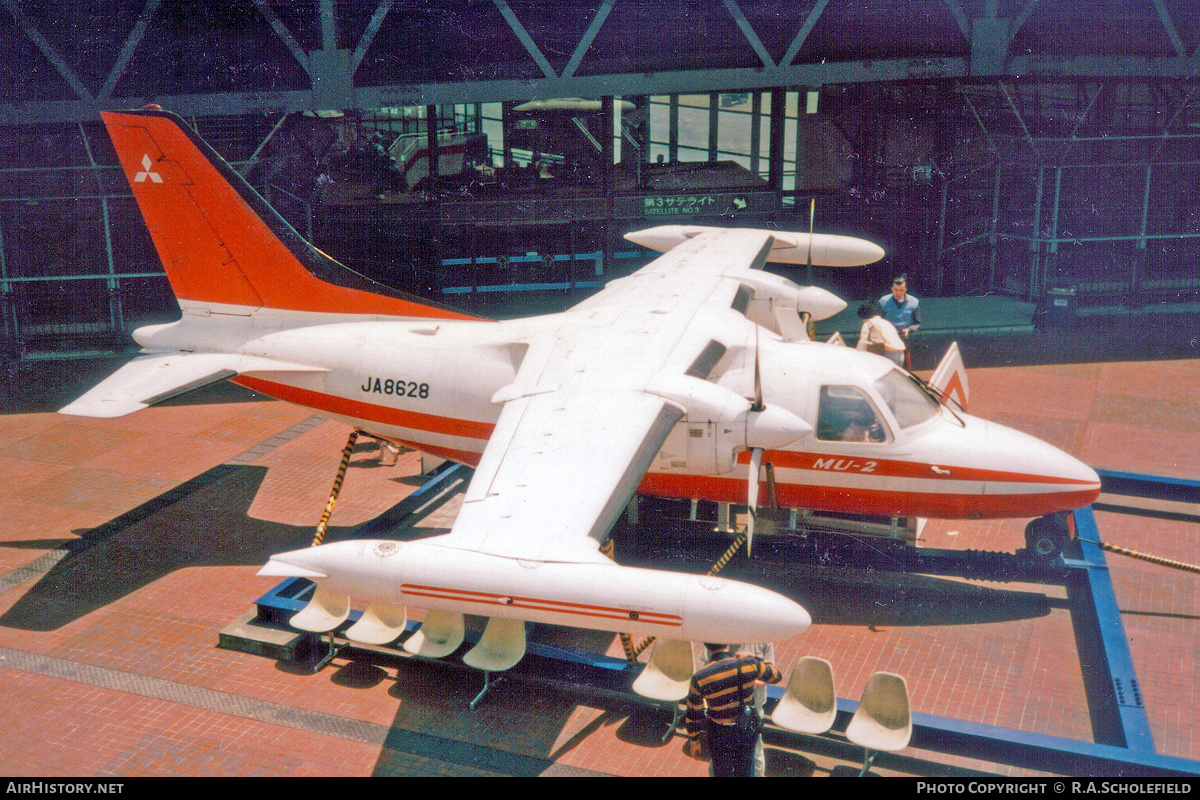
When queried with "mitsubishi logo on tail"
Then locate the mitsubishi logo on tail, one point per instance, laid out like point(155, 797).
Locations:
point(146, 173)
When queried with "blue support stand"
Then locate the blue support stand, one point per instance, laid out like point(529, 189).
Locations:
point(1114, 697)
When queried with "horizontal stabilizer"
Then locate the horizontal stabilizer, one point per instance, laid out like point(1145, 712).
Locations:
point(151, 379)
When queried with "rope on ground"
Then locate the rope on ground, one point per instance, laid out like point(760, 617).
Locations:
point(337, 487)
point(1166, 562)
point(609, 549)
point(632, 654)
point(729, 554)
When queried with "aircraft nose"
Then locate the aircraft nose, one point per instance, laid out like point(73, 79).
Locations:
point(1076, 470)
point(1045, 468)
point(1050, 461)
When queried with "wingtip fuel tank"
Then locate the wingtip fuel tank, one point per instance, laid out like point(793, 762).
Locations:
point(605, 597)
point(790, 247)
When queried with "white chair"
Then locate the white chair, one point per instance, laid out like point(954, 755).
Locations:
point(809, 705)
point(379, 624)
point(439, 635)
point(325, 611)
point(882, 721)
point(500, 647)
point(667, 677)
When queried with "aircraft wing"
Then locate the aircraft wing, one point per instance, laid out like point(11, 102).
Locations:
point(153, 378)
point(594, 399)
point(557, 472)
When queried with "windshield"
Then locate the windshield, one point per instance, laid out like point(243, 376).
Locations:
point(910, 404)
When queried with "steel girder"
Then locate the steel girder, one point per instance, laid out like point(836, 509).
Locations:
point(431, 52)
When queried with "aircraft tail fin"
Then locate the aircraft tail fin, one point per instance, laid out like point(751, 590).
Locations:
point(220, 242)
point(950, 377)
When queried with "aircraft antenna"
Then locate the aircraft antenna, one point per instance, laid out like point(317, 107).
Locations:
point(812, 214)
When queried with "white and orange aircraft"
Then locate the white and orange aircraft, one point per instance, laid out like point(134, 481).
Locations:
point(679, 380)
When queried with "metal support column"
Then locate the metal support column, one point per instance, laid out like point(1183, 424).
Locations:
point(608, 123)
point(1051, 261)
point(941, 246)
point(714, 122)
point(755, 130)
point(801, 115)
point(673, 128)
point(7, 298)
point(506, 132)
point(431, 139)
point(993, 224)
point(113, 284)
point(1138, 262)
point(775, 162)
point(1035, 241)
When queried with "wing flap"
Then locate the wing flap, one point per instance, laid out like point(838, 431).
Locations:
point(564, 474)
point(151, 379)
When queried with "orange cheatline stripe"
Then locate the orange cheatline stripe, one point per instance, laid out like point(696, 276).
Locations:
point(557, 608)
point(476, 596)
point(371, 412)
point(943, 505)
point(892, 468)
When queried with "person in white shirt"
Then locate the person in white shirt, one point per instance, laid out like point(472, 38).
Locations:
point(878, 335)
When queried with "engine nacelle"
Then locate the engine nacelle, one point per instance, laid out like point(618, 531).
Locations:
point(718, 424)
point(774, 291)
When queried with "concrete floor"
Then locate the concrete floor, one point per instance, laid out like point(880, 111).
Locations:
point(130, 543)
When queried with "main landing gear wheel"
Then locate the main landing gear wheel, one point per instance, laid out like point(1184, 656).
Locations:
point(1045, 537)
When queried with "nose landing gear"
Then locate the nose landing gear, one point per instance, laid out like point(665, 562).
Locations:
point(1045, 537)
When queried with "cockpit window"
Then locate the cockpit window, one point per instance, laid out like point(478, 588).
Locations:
point(846, 415)
point(910, 404)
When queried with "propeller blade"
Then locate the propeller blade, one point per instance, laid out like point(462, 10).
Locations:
point(812, 218)
point(758, 395)
point(756, 457)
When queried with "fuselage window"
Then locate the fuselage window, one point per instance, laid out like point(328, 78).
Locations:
point(847, 415)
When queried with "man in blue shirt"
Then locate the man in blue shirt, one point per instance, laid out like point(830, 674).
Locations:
point(902, 310)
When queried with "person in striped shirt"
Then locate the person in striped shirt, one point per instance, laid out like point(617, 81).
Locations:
point(719, 692)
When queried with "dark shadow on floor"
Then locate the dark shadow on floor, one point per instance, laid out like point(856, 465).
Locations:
point(170, 532)
point(835, 593)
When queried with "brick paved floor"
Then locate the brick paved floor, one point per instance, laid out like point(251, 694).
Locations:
point(130, 543)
